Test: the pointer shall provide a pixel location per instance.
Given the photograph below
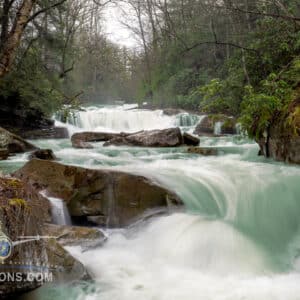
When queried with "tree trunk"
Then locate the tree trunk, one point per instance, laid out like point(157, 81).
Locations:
point(13, 39)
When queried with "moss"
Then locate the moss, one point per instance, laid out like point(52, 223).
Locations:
point(229, 123)
point(18, 202)
point(14, 183)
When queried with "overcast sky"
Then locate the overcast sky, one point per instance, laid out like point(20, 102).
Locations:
point(115, 30)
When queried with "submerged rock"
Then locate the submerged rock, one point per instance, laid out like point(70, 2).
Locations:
point(117, 197)
point(82, 140)
point(46, 154)
point(203, 151)
point(170, 137)
point(11, 143)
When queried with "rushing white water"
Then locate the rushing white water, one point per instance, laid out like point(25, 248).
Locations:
point(126, 118)
point(218, 128)
point(239, 238)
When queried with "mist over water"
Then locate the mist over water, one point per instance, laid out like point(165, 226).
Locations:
point(237, 239)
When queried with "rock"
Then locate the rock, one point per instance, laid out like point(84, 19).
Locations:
point(118, 197)
point(4, 153)
point(203, 151)
point(81, 139)
point(22, 213)
point(13, 144)
point(207, 126)
point(46, 154)
point(154, 138)
point(283, 141)
point(173, 111)
point(190, 140)
point(51, 132)
point(74, 235)
point(97, 220)
point(64, 267)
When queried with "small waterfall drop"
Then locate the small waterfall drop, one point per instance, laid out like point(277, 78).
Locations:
point(218, 128)
point(59, 211)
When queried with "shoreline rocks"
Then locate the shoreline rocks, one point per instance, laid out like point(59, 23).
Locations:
point(117, 197)
point(12, 144)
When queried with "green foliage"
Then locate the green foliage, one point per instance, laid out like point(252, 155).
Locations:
point(30, 87)
point(261, 108)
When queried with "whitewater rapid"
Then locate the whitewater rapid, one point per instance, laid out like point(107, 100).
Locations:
point(238, 239)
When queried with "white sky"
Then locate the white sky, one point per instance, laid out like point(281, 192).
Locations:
point(117, 32)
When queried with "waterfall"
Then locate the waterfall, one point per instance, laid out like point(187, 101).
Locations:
point(59, 212)
point(187, 120)
point(218, 128)
point(125, 118)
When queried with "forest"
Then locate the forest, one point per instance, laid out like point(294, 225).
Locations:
point(150, 149)
point(238, 58)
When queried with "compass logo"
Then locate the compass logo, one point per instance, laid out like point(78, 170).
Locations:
point(5, 247)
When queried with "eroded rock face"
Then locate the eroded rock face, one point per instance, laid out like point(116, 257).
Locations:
point(115, 196)
point(46, 154)
point(153, 138)
point(12, 143)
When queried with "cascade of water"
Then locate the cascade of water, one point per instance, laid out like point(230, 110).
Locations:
point(218, 128)
point(59, 212)
point(125, 119)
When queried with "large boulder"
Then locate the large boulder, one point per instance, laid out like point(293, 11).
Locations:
point(22, 213)
point(282, 143)
point(82, 140)
point(118, 197)
point(13, 144)
point(170, 137)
